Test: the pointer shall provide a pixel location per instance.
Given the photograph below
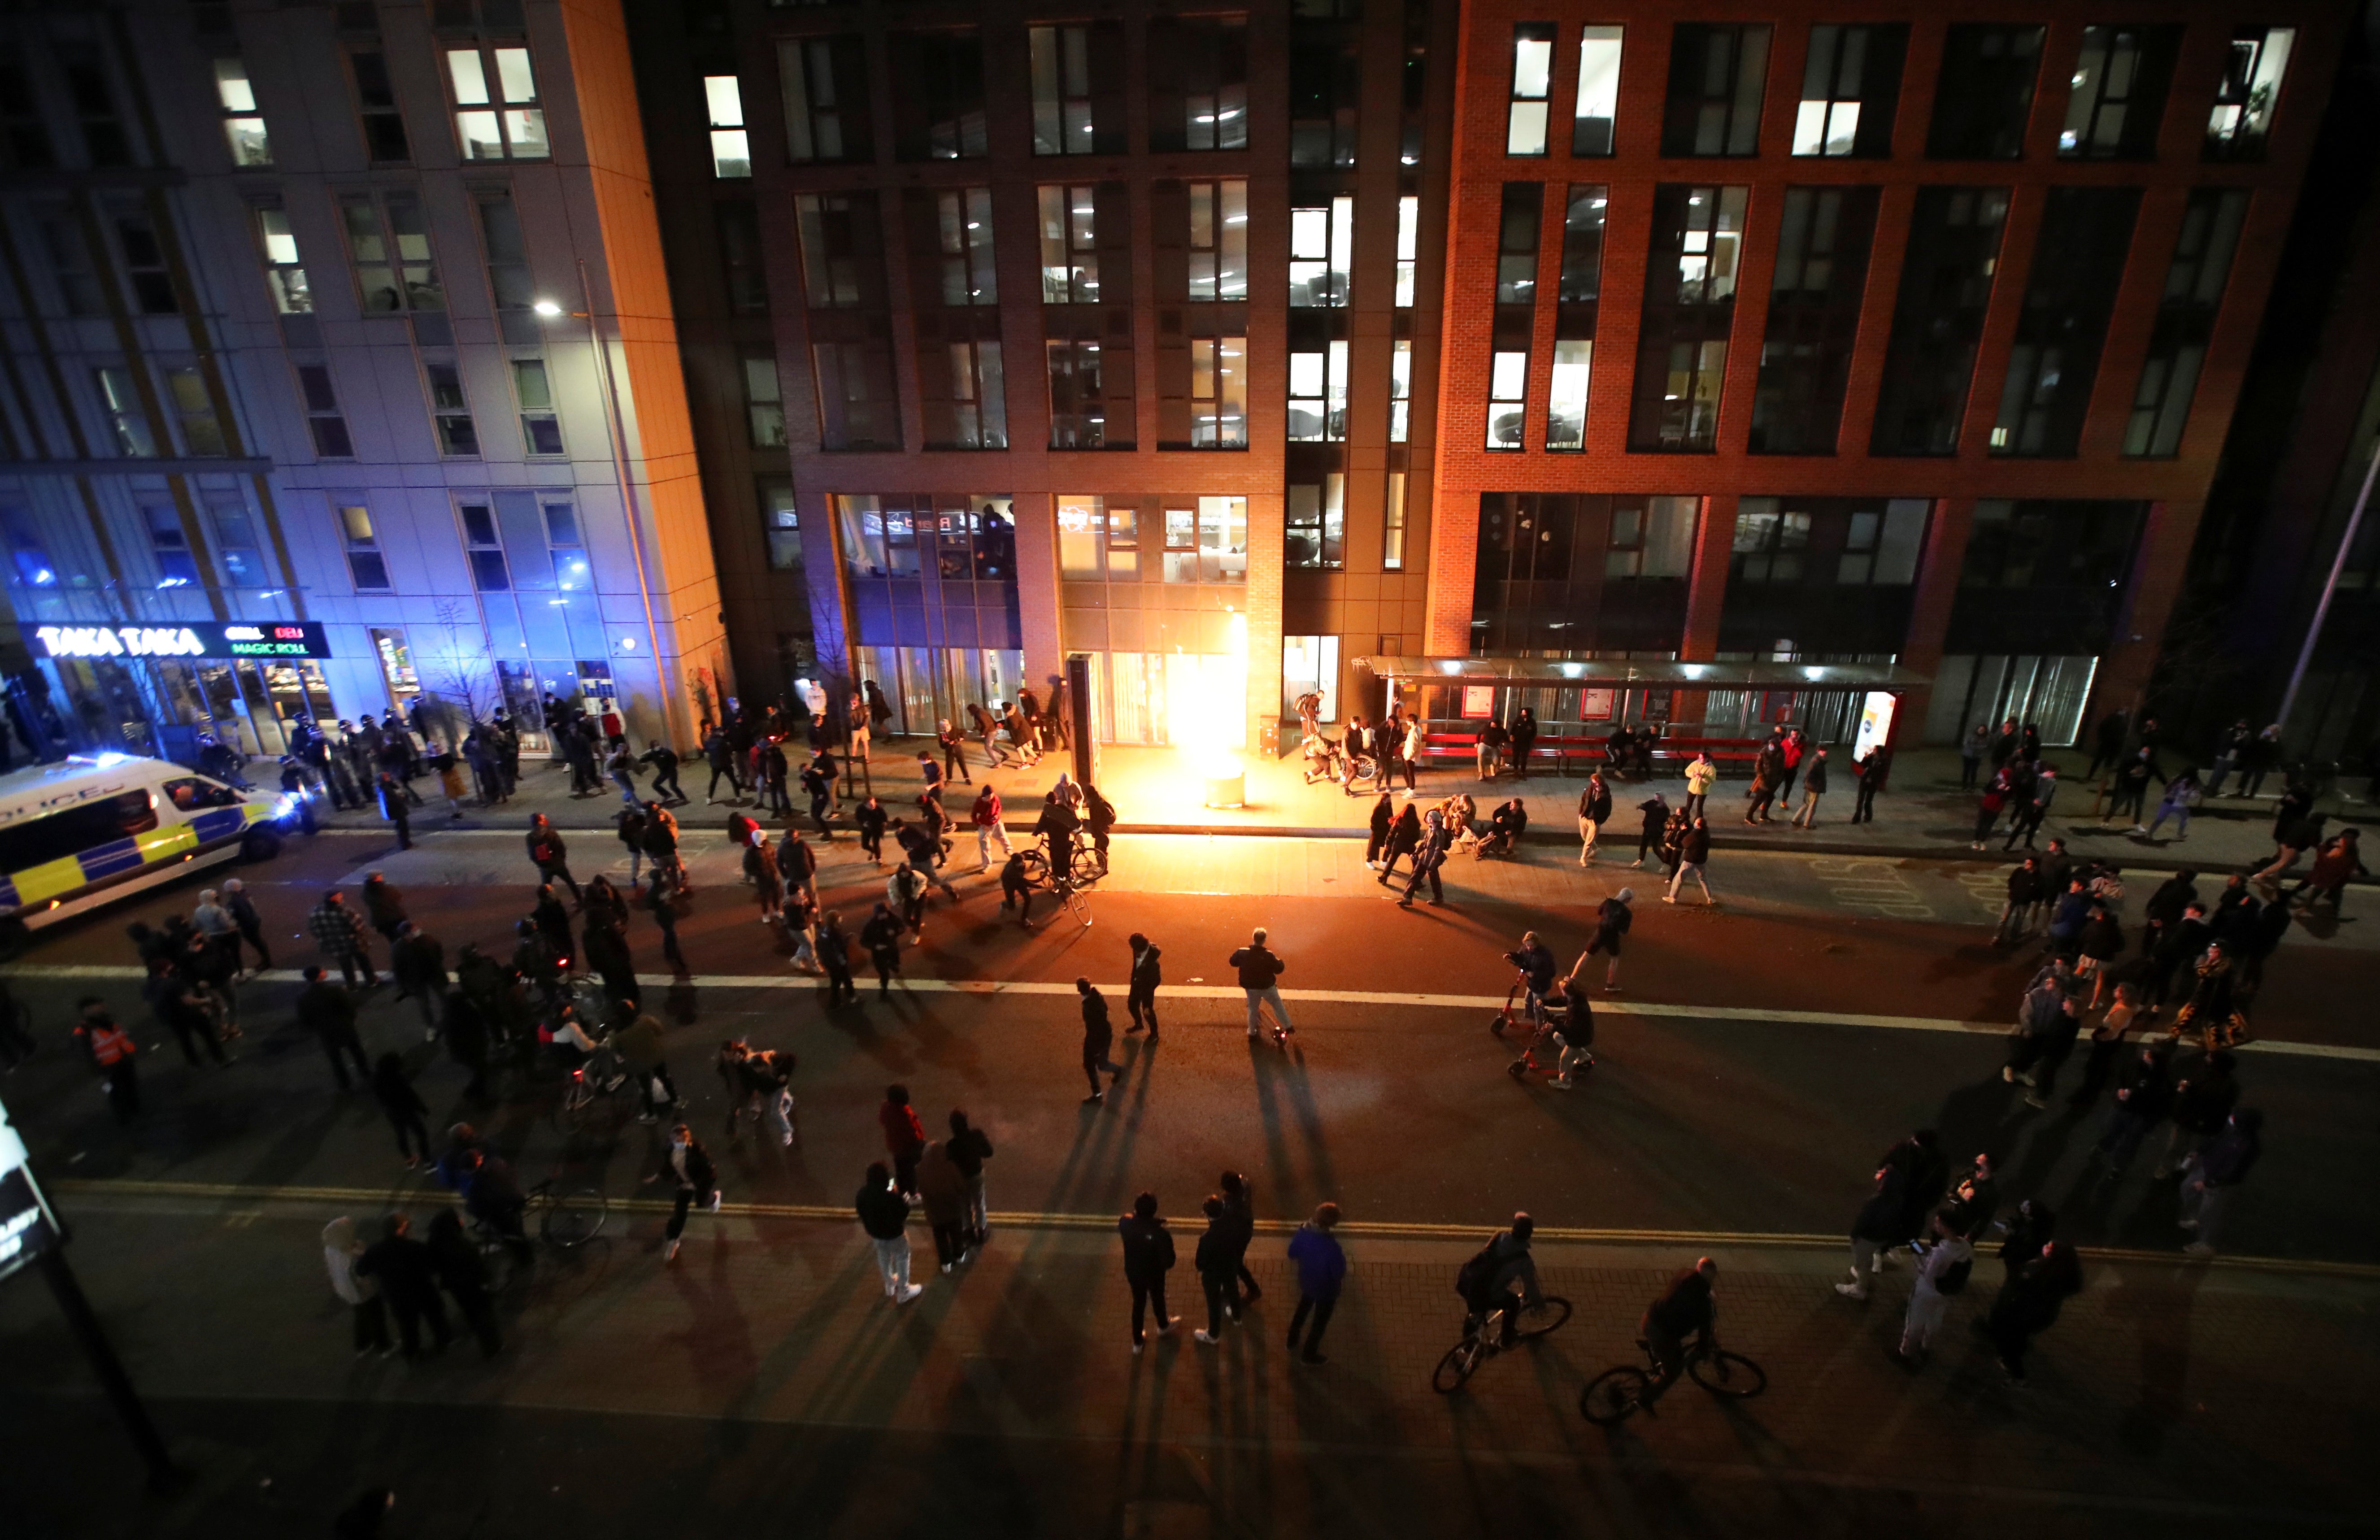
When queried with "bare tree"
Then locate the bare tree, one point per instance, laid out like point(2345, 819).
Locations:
point(459, 679)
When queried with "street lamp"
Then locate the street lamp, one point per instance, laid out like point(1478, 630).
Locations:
point(616, 435)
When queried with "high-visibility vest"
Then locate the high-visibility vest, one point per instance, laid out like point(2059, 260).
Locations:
point(109, 1045)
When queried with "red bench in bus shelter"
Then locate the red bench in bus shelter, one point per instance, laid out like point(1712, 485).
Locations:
point(1566, 752)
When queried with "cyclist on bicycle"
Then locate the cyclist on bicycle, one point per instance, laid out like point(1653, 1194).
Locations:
point(1688, 1304)
point(1057, 826)
point(1501, 1276)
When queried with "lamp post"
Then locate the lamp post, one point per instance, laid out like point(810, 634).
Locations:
point(615, 433)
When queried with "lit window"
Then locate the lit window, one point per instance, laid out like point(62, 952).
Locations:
point(283, 274)
point(2251, 84)
point(541, 428)
point(1070, 259)
point(1219, 392)
point(1533, 72)
point(203, 431)
point(1508, 381)
point(783, 524)
point(496, 115)
point(1321, 253)
point(1219, 240)
point(123, 414)
point(731, 147)
point(964, 222)
point(1598, 91)
point(1392, 524)
point(570, 570)
point(458, 436)
point(1314, 531)
point(243, 127)
point(1318, 394)
point(1401, 391)
point(1408, 249)
point(764, 402)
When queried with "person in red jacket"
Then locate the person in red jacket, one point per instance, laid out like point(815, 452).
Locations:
point(904, 1139)
point(985, 814)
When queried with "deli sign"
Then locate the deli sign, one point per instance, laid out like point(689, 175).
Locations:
point(270, 638)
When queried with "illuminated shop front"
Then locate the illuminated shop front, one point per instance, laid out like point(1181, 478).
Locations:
point(1155, 589)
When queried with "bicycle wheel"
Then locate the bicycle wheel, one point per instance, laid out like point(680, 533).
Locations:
point(1612, 1396)
point(1537, 1319)
point(570, 1109)
point(1036, 870)
point(1456, 1366)
point(1727, 1373)
point(571, 1219)
point(1078, 906)
point(1086, 869)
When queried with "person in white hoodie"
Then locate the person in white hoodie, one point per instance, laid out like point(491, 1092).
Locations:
point(1943, 1272)
point(341, 1247)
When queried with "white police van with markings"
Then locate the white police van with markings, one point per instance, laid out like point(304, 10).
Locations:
point(92, 829)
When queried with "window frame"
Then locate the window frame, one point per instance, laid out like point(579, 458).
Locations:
point(513, 117)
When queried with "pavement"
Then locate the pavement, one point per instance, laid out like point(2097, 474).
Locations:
point(1759, 1056)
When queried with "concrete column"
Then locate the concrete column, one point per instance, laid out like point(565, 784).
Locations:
point(1937, 590)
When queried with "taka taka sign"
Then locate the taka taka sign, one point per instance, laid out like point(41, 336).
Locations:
point(278, 638)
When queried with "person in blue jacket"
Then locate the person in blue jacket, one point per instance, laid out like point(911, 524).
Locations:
point(1321, 1270)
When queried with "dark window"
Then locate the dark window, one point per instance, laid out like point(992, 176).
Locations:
point(1563, 575)
point(59, 835)
point(1199, 82)
point(23, 140)
point(961, 381)
point(1325, 83)
point(1813, 312)
point(1575, 302)
point(1717, 74)
point(2077, 262)
point(85, 77)
point(1945, 283)
point(2042, 576)
point(1985, 95)
point(741, 259)
point(1688, 310)
point(485, 551)
point(322, 415)
point(2193, 296)
point(1519, 231)
point(843, 250)
point(1077, 79)
point(857, 406)
point(1793, 557)
point(458, 436)
point(2118, 95)
point(1850, 83)
point(824, 82)
point(144, 265)
point(939, 111)
point(1086, 316)
point(1199, 231)
point(376, 103)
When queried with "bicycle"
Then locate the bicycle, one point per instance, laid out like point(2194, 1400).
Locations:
point(589, 1096)
point(1617, 1393)
point(1485, 1339)
point(564, 1220)
point(1041, 874)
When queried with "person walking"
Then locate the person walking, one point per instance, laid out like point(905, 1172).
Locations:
point(1149, 1256)
point(551, 855)
point(2200, 1110)
point(403, 1107)
point(881, 938)
point(693, 1180)
point(883, 1213)
point(834, 957)
point(1878, 1225)
point(406, 1276)
point(661, 903)
point(1384, 818)
point(2033, 808)
point(242, 910)
point(1693, 854)
point(985, 814)
point(328, 1012)
point(1870, 772)
point(1218, 1261)
point(342, 1249)
point(905, 1137)
point(664, 761)
point(968, 1149)
point(464, 1274)
point(1321, 1274)
point(338, 933)
point(2211, 1182)
point(1140, 997)
point(1593, 812)
point(944, 1190)
point(418, 962)
point(2051, 1020)
point(1098, 1036)
point(1653, 816)
point(1240, 1208)
point(1813, 787)
point(1260, 970)
point(1943, 1271)
point(113, 1055)
point(2028, 1304)
point(1429, 859)
point(2181, 795)
point(395, 809)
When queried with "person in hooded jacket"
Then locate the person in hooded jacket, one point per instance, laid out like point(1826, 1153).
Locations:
point(1140, 994)
point(1147, 1257)
point(394, 1090)
point(2028, 1304)
point(2202, 1106)
point(2211, 1182)
point(1240, 1208)
point(1217, 1259)
point(1655, 815)
point(968, 1149)
point(1878, 1224)
point(2142, 1099)
point(944, 1189)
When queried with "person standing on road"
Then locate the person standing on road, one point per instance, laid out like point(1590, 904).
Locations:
point(176, 1001)
point(1147, 1257)
point(1693, 854)
point(945, 1193)
point(464, 1272)
point(968, 1149)
point(834, 958)
point(905, 1137)
point(884, 1216)
point(338, 932)
point(1240, 1208)
point(404, 1108)
point(2212, 1179)
point(1654, 812)
point(1813, 786)
point(1593, 812)
point(1878, 1223)
point(407, 1277)
point(551, 855)
point(693, 1180)
point(2202, 1110)
point(395, 809)
point(2046, 1026)
point(1140, 996)
point(2033, 808)
point(342, 1249)
point(882, 936)
point(114, 1054)
point(242, 910)
point(1097, 1037)
point(1948, 1262)
point(328, 1012)
point(1321, 1274)
point(2028, 1304)
point(418, 962)
point(1217, 1259)
point(1260, 972)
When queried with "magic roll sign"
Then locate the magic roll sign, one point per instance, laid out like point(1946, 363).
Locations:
point(270, 638)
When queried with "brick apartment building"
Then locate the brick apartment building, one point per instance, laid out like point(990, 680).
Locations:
point(1911, 335)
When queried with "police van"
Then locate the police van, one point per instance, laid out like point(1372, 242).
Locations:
point(92, 829)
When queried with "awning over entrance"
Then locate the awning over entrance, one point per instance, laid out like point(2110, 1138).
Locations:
point(1644, 674)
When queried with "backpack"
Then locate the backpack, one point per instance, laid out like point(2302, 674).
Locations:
point(1471, 1280)
point(1954, 1278)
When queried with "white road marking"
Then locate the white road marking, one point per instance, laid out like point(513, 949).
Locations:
point(989, 987)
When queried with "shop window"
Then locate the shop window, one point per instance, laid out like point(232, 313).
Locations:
point(1310, 665)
